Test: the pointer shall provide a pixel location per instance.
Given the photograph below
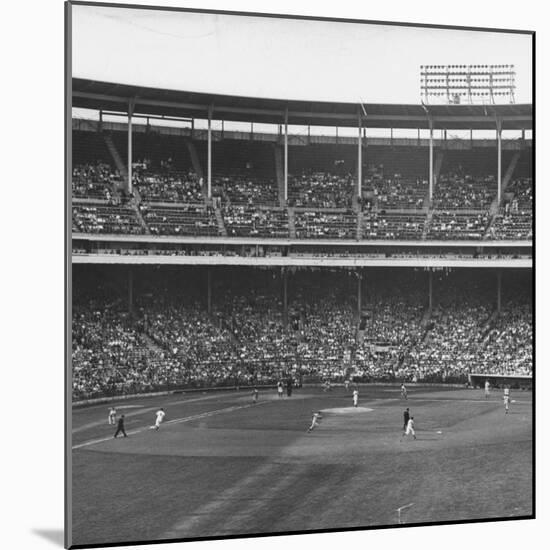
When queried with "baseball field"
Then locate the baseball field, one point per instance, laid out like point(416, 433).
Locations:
point(222, 465)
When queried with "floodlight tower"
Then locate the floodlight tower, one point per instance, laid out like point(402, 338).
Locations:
point(473, 83)
point(477, 84)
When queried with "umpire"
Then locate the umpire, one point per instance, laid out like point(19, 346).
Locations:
point(406, 417)
point(120, 427)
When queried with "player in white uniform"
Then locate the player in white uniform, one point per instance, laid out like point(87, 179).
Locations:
point(487, 386)
point(403, 391)
point(112, 416)
point(280, 389)
point(506, 398)
point(317, 416)
point(355, 397)
point(160, 417)
point(410, 429)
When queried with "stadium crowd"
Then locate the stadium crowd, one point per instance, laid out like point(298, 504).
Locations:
point(95, 181)
point(251, 221)
point(321, 190)
point(458, 226)
point(172, 340)
point(111, 355)
point(185, 219)
point(99, 218)
point(314, 224)
point(464, 192)
point(242, 190)
point(393, 226)
point(514, 220)
point(397, 193)
point(167, 185)
point(392, 208)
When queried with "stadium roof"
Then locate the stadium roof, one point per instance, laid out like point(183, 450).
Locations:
point(92, 94)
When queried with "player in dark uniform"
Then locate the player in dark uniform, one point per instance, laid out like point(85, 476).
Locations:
point(120, 427)
point(406, 417)
point(289, 387)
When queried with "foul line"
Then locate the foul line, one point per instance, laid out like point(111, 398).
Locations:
point(174, 421)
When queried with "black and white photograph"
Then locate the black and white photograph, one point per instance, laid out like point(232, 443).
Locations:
point(300, 274)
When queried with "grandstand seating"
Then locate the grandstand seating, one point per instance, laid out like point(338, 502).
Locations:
point(397, 193)
point(247, 158)
point(321, 190)
point(514, 220)
point(458, 226)
point(103, 218)
point(522, 195)
point(393, 225)
point(171, 338)
point(315, 224)
point(394, 203)
point(305, 155)
point(477, 162)
point(454, 192)
point(512, 226)
point(179, 220)
point(406, 162)
point(242, 189)
point(95, 181)
point(250, 221)
point(508, 345)
point(168, 186)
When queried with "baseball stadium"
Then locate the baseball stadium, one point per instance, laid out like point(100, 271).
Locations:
point(244, 277)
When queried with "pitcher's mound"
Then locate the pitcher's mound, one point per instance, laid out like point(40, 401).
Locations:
point(347, 410)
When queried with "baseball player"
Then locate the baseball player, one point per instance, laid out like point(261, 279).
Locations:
point(160, 414)
point(317, 416)
point(410, 429)
point(506, 398)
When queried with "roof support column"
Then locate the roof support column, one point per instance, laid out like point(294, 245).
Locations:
point(286, 157)
point(431, 160)
point(130, 290)
point(131, 104)
point(209, 159)
point(209, 289)
point(499, 290)
point(359, 161)
point(499, 159)
point(430, 289)
point(359, 297)
point(285, 296)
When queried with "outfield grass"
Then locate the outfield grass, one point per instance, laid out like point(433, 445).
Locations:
point(223, 466)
